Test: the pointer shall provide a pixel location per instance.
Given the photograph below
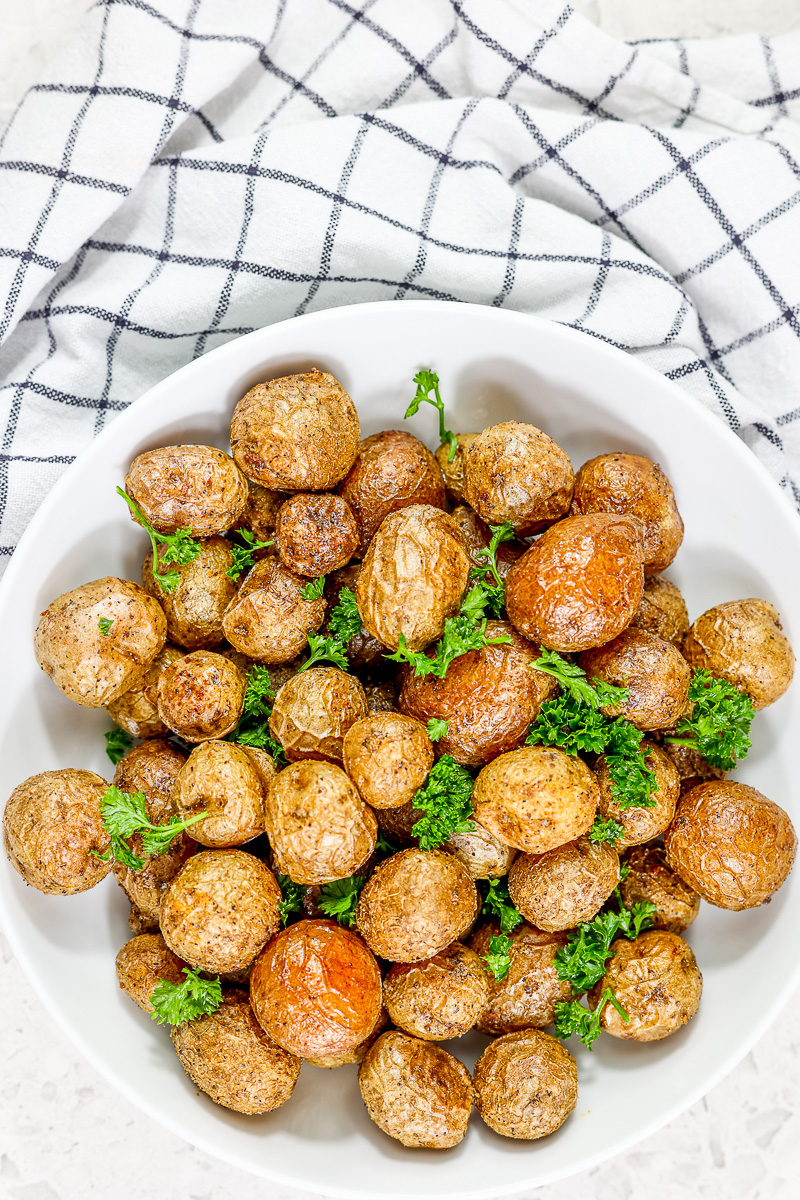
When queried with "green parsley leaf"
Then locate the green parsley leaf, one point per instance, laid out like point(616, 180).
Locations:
point(291, 901)
point(573, 1018)
point(243, 557)
point(605, 830)
point(105, 624)
point(573, 679)
point(427, 382)
point(124, 814)
point(436, 729)
point(563, 721)
point(179, 547)
point(253, 727)
point(496, 902)
point(446, 800)
point(461, 634)
point(324, 649)
point(383, 847)
point(314, 589)
point(344, 622)
point(259, 691)
point(498, 956)
point(118, 743)
point(339, 899)
point(631, 781)
point(720, 720)
point(174, 1003)
point(496, 592)
point(582, 961)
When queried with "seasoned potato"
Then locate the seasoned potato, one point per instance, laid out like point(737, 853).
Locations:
point(654, 672)
point(231, 1058)
point(53, 831)
point(478, 536)
point(481, 853)
point(742, 641)
point(318, 826)
point(651, 880)
point(662, 610)
point(187, 487)
point(201, 696)
point(344, 1057)
point(269, 620)
point(488, 697)
point(363, 650)
point(221, 779)
point(656, 980)
point(139, 922)
point(313, 712)
point(565, 886)
point(316, 989)
point(315, 534)
point(414, 904)
point(298, 433)
point(135, 710)
point(388, 756)
point(90, 667)
point(261, 510)
point(142, 963)
point(414, 575)
point(731, 844)
point(528, 995)
point(381, 697)
point(639, 823)
point(451, 464)
point(416, 1092)
point(526, 1084)
point(392, 471)
point(194, 610)
point(535, 798)
point(514, 472)
point(220, 910)
point(692, 768)
point(397, 823)
point(440, 997)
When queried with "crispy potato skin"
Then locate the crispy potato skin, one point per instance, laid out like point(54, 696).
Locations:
point(53, 828)
point(363, 650)
point(195, 609)
point(483, 855)
point(87, 667)
point(580, 584)
point(650, 879)
point(654, 671)
point(528, 995)
point(488, 697)
point(731, 844)
point(328, 1061)
point(315, 534)
point(233, 1060)
point(439, 998)
point(416, 1092)
point(414, 575)
point(318, 826)
point(142, 963)
point(220, 910)
point(187, 487)
point(298, 433)
point(742, 641)
point(535, 798)
point(565, 886)
point(135, 710)
point(261, 510)
point(269, 620)
point(392, 471)
point(640, 824)
point(313, 712)
point(316, 989)
point(221, 779)
point(526, 1084)
point(514, 472)
point(453, 471)
point(414, 904)
point(201, 696)
point(662, 610)
point(397, 823)
point(656, 980)
point(630, 484)
point(388, 756)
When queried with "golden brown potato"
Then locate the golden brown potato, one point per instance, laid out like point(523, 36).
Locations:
point(230, 1058)
point(299, 433)
point(580, 584)
point(416, 1092)
point(742, 641)
point(639, 823)
point(690, 763)
point(53, 831)
point(526, 1084)
point(392, 471)
point(440, 997)
point(221, 779)
point(315, 534)
point(528, 995)
point(142, 963)
point(318, 826)
point(139, 923)
point(363, 650)
point(135, 710)
point(201, 696)
point(397, 823)
point(514, 472)
point(650, 880)
point(488, 697)
point(269, 620)
point(658, 983)
point(662, 610)
point(261, 510)
point(414, 904)
point(313, 712)
point(414, 575)
point(654, 672)
point(220, 910)
point(381, 697)
point(187, 487)
point(478, 536)
point(731, 844)
point(90, 667)
point(316, 989)
point(388, 756)
point(480, 852)
point(451, 464)
point(194, 610)
point(344, 1057)
point(535, 798)
point(565, 886)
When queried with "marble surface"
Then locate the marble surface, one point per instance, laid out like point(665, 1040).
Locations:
point(65, 1134)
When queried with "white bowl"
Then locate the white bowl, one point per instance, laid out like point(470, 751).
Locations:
point(742, 539)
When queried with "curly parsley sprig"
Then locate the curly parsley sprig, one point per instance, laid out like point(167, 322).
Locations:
point(582, 960)
point(594, 694)
point(496, 903)
point(719, 724)
point(461, 634)
point(436, 728)
point(339, 899)
point(253, 727)
point(427, 382)
point(243, 557)
point(446, 800)
point(313, 589)
point(487, 573)
point(605, 829)
point(175, 1003)
point(344, 622)
point(291, 900)
point(180, 547)
point(573, 1018)
point(498, 956)
point(125, 814)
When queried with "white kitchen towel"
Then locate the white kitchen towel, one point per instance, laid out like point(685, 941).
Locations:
point(189, 170)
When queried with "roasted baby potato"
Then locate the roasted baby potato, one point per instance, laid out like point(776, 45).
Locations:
point(526, 1084)
point(315, 534)
point(440, 997)
point(187, 487)
point(514, 472)
point(364, 652)
point(654, 672)
point(480, 852)
point(398, 823)
point(142, 963)
point(451, 464)
point(194, 610)
point(269, 620)
point(221, 779)
point(526, 998)
point(651, 880)
point(560, 889)
point(742, 641)
point(640, 823)
point(261, 510)
point(656, 980)
point(135, 710)
point(381, 697)
point(388, 756)
point(313, 711)
point(662, 610)
point(201, 696)
point(151, 767)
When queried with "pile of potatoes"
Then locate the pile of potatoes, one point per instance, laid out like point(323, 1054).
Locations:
point(402, 528)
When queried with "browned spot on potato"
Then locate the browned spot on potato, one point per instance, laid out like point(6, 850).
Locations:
point(315, 534)
point(201, 696)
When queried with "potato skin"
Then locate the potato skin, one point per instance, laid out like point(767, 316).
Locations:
point(194, 610)
point(53, 828)
point(565, 886)
point(526, 1084)
point(316, 989)
point(514, 472)
point(662, 610)
point(416, 1092)
point(294, 434)
point(656, 980)
point(364, 652)
point(453, 470)
point(414, 904)
point(654, 671)
point(388, 756)
point(344, 1057)
point(187, 487)
point(731, 844)
point(87, 667)
point(535, 798)
point(315, 534)
point(142, 962)
point(481, 853)
point(260, 511)
point(135, 710)
point(414, 575)
point(313, 711)
point(440, 997)
point(580, 584)
point(641, 824)
point(231, 1058)
point(742, 641)
point(201, 696)
point(650, 879)
point(221, 779)
point(528, 995)
point(269, 620)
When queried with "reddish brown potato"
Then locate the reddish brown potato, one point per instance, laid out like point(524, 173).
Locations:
point(535, 798)
point(313, 712)
point(742, 641)
point(201, 696)
point(397, 823)
point(187, 487)
point(269, 620)
point(731, 844)
point(53, 831)
point(388, 756)
point(692, 768)
point(481, 853)
point(639, 823)
point(526, 1084)
point(654, 672)
point(315, 534)
point(528, 995)
point(514, 472)
point(662, 610)
point(135, 710)
point(261, 511)
point(416, 1092)
point(650, 880)
point(478, 536)
point(194, 610)
point(363, 650)
point(392, 471)
point(451, 464)
point(344, 1057)
point(298, 433)
point(565, 886)
point(316, 989)
point(142, 963)
point(222, 780)
point(414, 904)
point(439, 998)
point(656, 980)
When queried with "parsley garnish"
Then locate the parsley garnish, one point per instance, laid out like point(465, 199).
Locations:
point(324, 649)
point(498, 956)
point(243, 557)
point(314, 589)
point(174, 1003)
point(105, 624)
point(427, 382)
point(565, 722)
point(181, 547)
point(573, 679)
point(582, 961)
point(605, 830)
point(118, 743)
point(124, 814)
point(339, 899)
point(461, 634)
point(436, 729)
point(719, 725)
point(291, 901)
point(488, 567)
point(496, 902)
point(253, 727)
point(383, 847)
point(446, 800)
point(573, 1018)
point(344, 622)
